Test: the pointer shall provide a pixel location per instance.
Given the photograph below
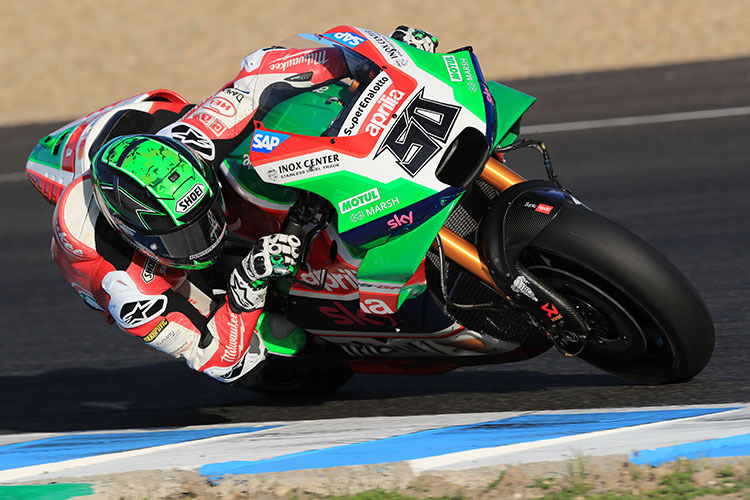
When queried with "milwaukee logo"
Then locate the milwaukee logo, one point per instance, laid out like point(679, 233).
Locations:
point(310, 57)
point(359, 200)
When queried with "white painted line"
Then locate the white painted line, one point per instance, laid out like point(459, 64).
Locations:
point(31, 470)
point(441, 461)
point(12, 177)
point(637, 120)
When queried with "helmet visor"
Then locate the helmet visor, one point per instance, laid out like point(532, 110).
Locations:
point(192, 246)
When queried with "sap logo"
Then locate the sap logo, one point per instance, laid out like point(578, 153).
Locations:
point(190, 199)
point(265, 142)
point(453, 70)
point(345, 37)
point(401, 220)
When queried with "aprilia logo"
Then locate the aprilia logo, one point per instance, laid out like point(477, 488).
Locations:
point(419, 131)
point(544, 209)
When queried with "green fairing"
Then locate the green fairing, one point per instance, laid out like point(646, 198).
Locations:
point(309, 113)
point(241, 170)
point(340, 186)
point(287, 345)
point(467, 91)
point(398, 259)
point(510, 105)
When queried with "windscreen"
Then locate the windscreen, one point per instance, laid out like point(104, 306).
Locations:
point(311, 86)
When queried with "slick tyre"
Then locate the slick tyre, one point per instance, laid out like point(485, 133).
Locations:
point(649, 323)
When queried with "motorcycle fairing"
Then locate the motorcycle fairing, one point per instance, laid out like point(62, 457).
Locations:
point(375, 153)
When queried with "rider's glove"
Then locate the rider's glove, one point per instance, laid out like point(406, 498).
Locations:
point(416, 38)
point(271, 256)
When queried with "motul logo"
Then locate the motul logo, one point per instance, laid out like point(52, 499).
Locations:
point(359, 200)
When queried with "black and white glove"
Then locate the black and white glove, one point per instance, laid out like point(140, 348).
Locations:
point(416, 38)
point(271, 257)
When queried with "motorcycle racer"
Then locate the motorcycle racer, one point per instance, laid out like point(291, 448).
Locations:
point(136, 234)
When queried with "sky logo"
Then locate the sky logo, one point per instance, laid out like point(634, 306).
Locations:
point(346, 38)
point(266, 141)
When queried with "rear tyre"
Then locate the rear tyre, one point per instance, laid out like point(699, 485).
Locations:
point(650, 325)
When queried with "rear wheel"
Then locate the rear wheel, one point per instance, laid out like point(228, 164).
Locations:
point(648, 323)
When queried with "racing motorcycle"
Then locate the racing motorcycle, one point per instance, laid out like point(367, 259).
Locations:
point(422, 250)
point(425, 252)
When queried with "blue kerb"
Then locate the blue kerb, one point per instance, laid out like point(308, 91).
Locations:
point(435, 442)
point(735, 446)
point(69, 447)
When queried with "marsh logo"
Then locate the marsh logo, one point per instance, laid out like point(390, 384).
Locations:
point(265, 142)
point(454, 72)
point(191, 199)
point(358, 201)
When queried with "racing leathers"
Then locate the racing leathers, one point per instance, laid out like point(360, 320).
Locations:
point(179, 312)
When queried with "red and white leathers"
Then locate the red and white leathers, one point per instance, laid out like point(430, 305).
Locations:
point(173, 310)
point(168, 308)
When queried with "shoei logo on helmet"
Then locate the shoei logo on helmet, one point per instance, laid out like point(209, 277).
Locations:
point(190, 199)
point(347, 38)
point(265, 141)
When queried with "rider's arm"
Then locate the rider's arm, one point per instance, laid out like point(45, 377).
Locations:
point(167, 308)
point(224, 344)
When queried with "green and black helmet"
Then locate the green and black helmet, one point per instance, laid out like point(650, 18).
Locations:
point(163, 198)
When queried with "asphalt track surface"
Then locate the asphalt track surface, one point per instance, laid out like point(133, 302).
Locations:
point(682, 186)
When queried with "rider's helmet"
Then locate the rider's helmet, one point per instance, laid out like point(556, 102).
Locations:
point(162, 198)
